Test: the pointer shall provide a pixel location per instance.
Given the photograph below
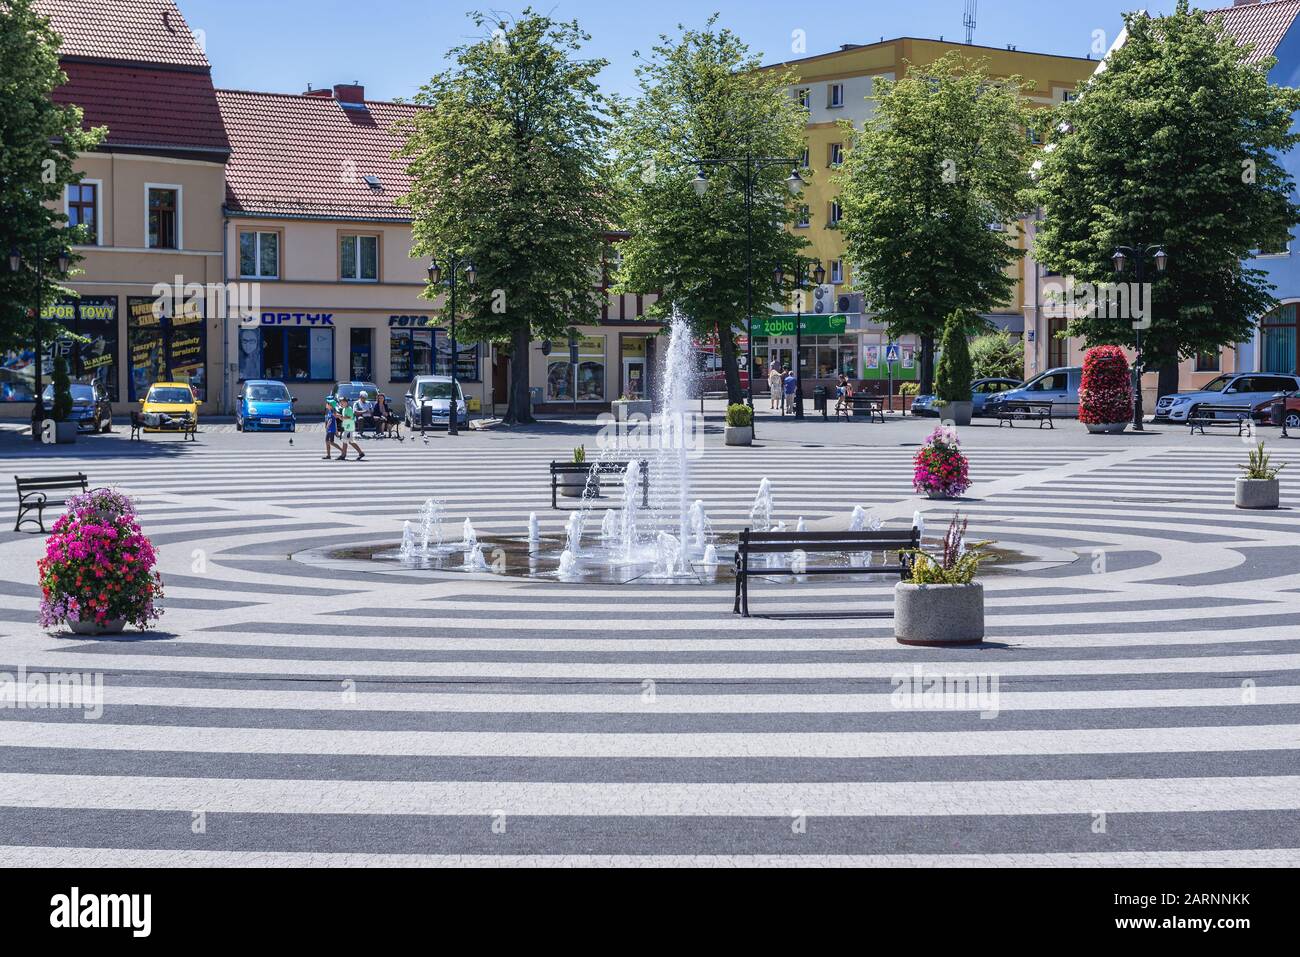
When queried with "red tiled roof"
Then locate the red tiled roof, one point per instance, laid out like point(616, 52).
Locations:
point(157, 109)
point(295, 155)
point(132, 31)
point(1262, 24)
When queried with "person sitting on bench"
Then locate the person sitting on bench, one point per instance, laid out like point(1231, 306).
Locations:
point(844, 396)
point(386, 420)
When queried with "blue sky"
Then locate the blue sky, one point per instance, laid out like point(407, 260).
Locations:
point(392, 46)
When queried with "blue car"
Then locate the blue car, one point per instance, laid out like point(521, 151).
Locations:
point(265, 405)
point(981, 390)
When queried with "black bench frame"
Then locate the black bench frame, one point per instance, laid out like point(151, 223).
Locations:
point(186, 426)
point(1199, 416)
point(1024, 410)
point(33, 495)
point(768, 543)
point(594, 475)
point(859, 404)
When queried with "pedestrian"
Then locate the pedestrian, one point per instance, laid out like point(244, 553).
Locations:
point(844, 396)
point(349, 416)
point(791, 384)
point(332, 429)
point(776, 385)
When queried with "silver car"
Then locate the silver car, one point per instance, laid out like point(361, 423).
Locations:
point(1244, 389)
point(1059, 386)
point(434, 392)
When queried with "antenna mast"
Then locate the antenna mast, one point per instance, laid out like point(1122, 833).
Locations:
point(968, 20)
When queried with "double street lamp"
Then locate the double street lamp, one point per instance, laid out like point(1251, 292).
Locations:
point(453, 264)
point(800, 283)
point(750, 167)
point(62, 262)
point(1139, 255)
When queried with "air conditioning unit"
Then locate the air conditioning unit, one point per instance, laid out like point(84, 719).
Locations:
point(849, 303)
point(823, 300)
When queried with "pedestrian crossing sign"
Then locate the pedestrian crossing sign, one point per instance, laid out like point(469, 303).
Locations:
point(892, 353)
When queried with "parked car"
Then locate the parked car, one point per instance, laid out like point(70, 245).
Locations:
point(1060, 386)
point(352, 390)
point(91, 409)
point(265, 405)
point(434, 391)
point(981, 390)
point(1263, 411)
point(1243, 389)
point(173, 399)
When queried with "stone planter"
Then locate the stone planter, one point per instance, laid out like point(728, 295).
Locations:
point(1108, 428)
point(113, 627)
point(739, 435)
point(958, 413)
point(624, 409)
point(938, 615)
point(572, 486)
point(1258, 493)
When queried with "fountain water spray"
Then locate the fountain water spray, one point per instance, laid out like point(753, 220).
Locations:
point(470, 541)
point(430, 525)
point(408, 542)
point(760, 515)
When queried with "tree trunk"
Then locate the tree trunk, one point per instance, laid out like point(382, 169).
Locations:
point(1167, 383)
point(727, 343)
point(927, 365)
point(519, 411)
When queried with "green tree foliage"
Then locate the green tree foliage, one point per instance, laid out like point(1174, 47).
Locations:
point(997, 355)
point(1176, 143)
point(41, 141)
point(509, 171)
point(953, 379)
point(945, 157)
point(62, 389)
point(702, 96)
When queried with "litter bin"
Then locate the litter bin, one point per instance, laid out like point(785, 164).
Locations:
point(426, 417)
point(820, 394)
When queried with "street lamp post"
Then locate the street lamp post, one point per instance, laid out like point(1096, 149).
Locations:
point(15, 266)
point(454, 264)
point(1139, 254)
point(801, 282)
point(750, 167)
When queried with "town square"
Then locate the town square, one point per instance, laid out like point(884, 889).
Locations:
point(714, 448)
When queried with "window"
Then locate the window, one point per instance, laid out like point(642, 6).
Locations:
point(835, 214)
point(83, 210)
point(259, 255)
point(835, 154)
point(588, 379)
point(359, 354)
point(1058, 347)
point(1208, 361)
point(412, 353)
point(1279, 343)
point(805, 214)
point(164, 217)
point(291, 353)
point(359, 258)
point(805, 160)
point(805, 98)
point(837, 270)
point(1275, 249)
point(835, 97)
point(1034, 135)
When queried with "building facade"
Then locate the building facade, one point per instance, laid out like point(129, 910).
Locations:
point(150, 198)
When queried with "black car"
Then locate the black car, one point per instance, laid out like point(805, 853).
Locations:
point(91, 409)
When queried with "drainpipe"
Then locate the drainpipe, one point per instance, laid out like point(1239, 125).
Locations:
point(226, 404)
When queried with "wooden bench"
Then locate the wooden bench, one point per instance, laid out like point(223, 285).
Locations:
point(184, 425)
point(1199, 416)
point(862, 405)
point(597, 475)
point(1014, 410)
point(39, 491)
point(784, 543)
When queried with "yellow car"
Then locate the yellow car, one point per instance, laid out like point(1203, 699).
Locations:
point(173, 402)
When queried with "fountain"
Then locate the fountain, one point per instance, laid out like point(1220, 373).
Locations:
point(430, 525)
point(863, 522)
point(760, 516)
point(470, 541)
point(534, 530)
point(408, 542)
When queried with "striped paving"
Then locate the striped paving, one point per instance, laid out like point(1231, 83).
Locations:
point(1137, 702)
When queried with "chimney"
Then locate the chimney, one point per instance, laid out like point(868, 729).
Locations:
point(1243, 3)
point(350, 94)
point(326, 93)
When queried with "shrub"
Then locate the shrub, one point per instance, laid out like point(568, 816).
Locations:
point(740, 416)
point(958, 563)
point(1106, 391)
point(939, 469)
point(910, 388)
point(580, 455)
point(98, 565)
point(62, 389)
point(997, 355)
point(1258, 466)
point(953, 377)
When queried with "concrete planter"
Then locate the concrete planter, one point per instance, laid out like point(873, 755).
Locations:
point(739, 435)
point(624, 409)
point(938, 615)
point(1258, 493)
point(958, 413)
point(1108, 428)
point(113, 627)
point(572, 486)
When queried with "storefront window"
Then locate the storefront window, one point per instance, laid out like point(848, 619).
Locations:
point(586, 382)
point(1279, 340)
point(292, 354)
point(92, 317)
point(467, 366)
point(359, 364)
point(167, 343)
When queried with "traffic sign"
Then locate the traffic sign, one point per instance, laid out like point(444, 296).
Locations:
point(892, 353)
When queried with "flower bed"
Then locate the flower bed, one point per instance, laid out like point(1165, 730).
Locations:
point(98, 565)
point(1106, 391)
point(940, 469)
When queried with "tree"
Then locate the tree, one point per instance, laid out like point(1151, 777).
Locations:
point(997, 355)
point(703, 97)
point(41, 142)
point(944, 158)
point(952, 382)
point(508, 172)
point(1175, 143)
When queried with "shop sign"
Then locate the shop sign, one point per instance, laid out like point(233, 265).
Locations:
point(411, 322)
point(297, 318)
point(811, 326)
